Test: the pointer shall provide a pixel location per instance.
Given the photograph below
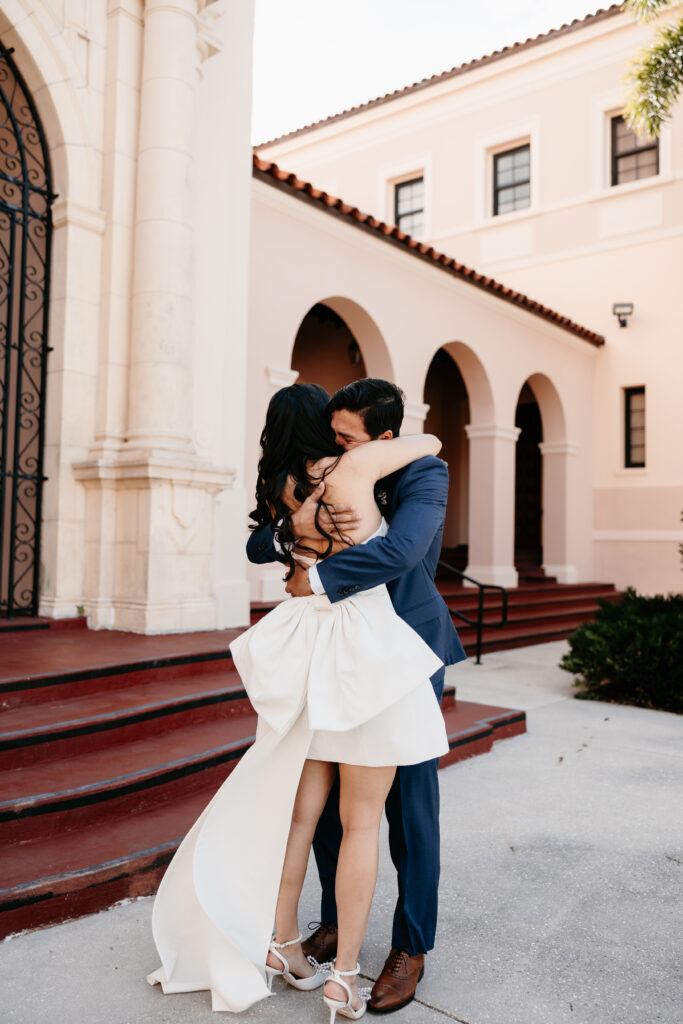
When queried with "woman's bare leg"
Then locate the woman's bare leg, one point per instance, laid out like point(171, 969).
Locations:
point(314, 787)
point(363, 792)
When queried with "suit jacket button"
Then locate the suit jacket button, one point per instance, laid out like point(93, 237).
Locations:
point(261, 547)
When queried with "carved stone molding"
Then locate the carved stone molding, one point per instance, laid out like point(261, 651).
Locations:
point(279, 378)
point(498, 431)
point(209, 38)
point(136, 469)
point(558, 448)
point(417, 410)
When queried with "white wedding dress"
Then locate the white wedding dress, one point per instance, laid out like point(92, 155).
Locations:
point(345, 682)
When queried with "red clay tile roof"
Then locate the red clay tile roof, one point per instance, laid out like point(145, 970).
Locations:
point(572, 26)
point(271, 174)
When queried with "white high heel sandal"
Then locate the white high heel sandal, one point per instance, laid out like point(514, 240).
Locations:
point(346, 1009)
point(303, 984)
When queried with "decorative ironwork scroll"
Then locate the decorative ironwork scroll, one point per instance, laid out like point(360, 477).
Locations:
point(25, 228)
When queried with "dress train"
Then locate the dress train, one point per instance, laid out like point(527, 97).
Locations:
point(346, 682)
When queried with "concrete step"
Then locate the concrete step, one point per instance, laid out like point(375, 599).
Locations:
point(49, 797)
point(526, 594)
point(535, 603)
point(48, 666)
point(540, 613)
point(24, 623)
point(92, 863)
point(520, 634)
point(54, 730)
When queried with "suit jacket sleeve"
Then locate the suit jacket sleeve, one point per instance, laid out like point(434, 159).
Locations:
point(420, 509)
point(261, 546)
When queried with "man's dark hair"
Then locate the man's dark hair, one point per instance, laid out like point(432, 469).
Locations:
point(379, 403)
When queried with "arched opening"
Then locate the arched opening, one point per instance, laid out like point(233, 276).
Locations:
point(528, 485)
point(25, 230)
point(449, 413)
point(325, 351)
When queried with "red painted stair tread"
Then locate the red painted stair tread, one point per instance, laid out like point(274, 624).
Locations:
point(101, 769)
point(114, 702)
point(93, 845)
point(81, 851)
point(49, 653)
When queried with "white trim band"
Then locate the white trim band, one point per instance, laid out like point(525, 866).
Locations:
point(641, 536)
point(278, 378)
point(558, 448)
point(416, 410)
point(475, 431)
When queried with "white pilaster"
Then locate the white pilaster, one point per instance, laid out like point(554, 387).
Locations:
point(492, 503)
point(558, 460)
point(415, 416)
point(150, 499)
point(162, 331)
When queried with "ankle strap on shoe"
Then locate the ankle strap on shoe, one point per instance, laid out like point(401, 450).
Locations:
point(283, 945)
point(346, 974)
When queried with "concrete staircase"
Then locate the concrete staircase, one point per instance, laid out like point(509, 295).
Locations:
point(111, 744)
point(539, 611)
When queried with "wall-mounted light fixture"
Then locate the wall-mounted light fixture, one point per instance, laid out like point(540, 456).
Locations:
point(622, 311)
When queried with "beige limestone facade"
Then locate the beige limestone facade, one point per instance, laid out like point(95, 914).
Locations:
point(580, 243)
point(145, 110)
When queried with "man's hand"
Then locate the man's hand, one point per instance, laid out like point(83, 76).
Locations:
point(337, 520)
point(299, 586)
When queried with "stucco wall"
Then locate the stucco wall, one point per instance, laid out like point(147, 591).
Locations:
point(581, 246)
point(401, 311)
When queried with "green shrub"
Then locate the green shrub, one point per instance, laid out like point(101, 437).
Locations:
point(632, 653)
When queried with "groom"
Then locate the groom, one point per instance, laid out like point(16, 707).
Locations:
point(413, 500)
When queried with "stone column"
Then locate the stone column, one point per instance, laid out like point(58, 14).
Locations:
point(414, 416)
point(492, 503)
point(151, 501)
point(558, 460)
point(160, 390)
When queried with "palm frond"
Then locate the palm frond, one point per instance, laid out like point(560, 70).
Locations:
point(646, 10)
point(657, 79)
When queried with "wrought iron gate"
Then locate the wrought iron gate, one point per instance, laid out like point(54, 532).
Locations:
point(25, 228)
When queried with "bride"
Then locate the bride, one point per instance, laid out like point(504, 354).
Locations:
point(338, 688)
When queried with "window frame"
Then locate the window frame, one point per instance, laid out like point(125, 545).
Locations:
point(497, 189)
point(628, 458)
point(615, 157)
point(397, 185)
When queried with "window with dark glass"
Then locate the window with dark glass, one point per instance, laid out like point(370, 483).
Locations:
point(633, 156)
point(409, 206)
point(512, 180)
point(635, 427)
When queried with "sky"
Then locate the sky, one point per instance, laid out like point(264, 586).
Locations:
point(313, 58)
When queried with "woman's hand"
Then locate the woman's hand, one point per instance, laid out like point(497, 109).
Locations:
point(337, 520)
point(298, 585)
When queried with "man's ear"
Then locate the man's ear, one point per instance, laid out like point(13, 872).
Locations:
point(386, 436)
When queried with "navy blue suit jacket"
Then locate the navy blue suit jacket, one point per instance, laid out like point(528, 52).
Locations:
point(413, 500)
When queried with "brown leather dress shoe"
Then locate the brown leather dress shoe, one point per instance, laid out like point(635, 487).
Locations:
point(322, 944)
point(397, 983)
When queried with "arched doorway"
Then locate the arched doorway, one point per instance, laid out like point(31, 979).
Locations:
point(325, 351)
point(449, 413)
point(528, 484)
point(25, 229)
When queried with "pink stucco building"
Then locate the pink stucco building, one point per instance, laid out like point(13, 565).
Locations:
point(519, 165)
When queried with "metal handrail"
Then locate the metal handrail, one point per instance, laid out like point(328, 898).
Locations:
point(479, 623)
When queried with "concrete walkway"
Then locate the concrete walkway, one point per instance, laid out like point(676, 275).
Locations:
point(561, 895)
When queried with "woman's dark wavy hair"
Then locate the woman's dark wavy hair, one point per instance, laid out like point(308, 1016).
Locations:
point(297, 431)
